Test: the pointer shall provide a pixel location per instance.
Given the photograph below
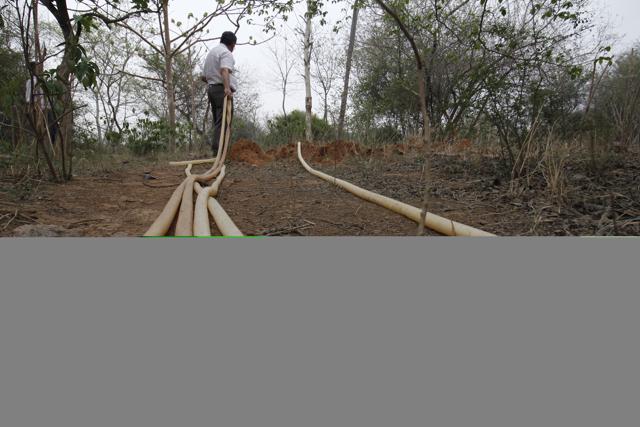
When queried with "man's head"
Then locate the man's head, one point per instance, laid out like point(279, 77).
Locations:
point(32, 67)
point(229, 40)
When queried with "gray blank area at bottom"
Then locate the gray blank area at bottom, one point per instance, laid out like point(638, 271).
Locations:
point(329, 343)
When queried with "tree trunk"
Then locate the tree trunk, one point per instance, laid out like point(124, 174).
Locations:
point(98, 127)
point(65, 119)
point(36, 36)
point(307, 74)
point(192, 99)
point(326, 101)
point(426, 140)
point(284, 97)
point(168, 70)
point(347, 73)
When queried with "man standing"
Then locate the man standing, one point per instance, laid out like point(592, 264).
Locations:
point(218, 73)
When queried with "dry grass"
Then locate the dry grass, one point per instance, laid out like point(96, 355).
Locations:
point(553, 167)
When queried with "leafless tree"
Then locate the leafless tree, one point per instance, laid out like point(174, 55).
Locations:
point(284, 63)
point(326, 69)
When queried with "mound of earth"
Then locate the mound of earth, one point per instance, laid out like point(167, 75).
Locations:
point(320, 153)
point(337, 151)
point(247, 151)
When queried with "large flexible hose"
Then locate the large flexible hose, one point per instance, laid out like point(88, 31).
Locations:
point(201, 226)
point(437, 223)
point(182, 198)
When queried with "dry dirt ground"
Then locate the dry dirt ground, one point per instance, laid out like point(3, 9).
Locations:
point(271, 194)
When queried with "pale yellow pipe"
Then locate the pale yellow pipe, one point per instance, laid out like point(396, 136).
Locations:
point(216, 184)
point(225, 136)
point(163, 222)
point(183, 195)
point(201, 226)
point(184, 225)
point(223, 221)
point(437, 223)
point(193, 162)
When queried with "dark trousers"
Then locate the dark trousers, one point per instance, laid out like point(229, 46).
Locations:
point(52, 125)
point(216, 99)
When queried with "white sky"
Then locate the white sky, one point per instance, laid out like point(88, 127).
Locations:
point(620, 15)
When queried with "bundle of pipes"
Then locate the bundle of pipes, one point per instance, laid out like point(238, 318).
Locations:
point(192, 222)
point(437, 223)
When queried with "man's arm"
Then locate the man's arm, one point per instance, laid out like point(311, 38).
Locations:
point(226, 82)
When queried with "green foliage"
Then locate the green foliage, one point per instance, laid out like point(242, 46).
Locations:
point(12, 85)
point(245, 128)
point(379, 135)
point(12, 79)
point(284, 129)
point(149, 136)
point(84, 139)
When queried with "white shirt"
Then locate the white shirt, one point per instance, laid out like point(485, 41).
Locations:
point(219, 57)
point(37, 92)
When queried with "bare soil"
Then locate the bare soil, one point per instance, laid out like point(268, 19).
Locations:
point(269, 193)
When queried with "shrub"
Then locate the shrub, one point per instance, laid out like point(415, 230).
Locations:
point(284, 129)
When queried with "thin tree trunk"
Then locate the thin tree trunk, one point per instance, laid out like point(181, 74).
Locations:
point(284, 97)
point(347, 73)
point(325, 114)
point(66, 122)
point(422, 93)
point(307, 74)
point(426, 140)
point(192, 88)
point(168, 69)
point(34, 122)
point(33, 116)
point(98, 127)
point(36, 35)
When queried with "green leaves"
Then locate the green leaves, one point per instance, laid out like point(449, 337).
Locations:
point(575, 72)
point(85, 22)
point(139, 4)
point(87, 72)
point(604, 56)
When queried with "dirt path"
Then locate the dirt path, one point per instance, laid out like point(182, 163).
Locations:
point(280, 198)
point(276, 199)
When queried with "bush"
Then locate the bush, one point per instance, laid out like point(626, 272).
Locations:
point(284, 129)
point(242, 128)
point(84, 139)
point(151, 136)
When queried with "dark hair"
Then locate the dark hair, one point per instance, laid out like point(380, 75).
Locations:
point(228, 38)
